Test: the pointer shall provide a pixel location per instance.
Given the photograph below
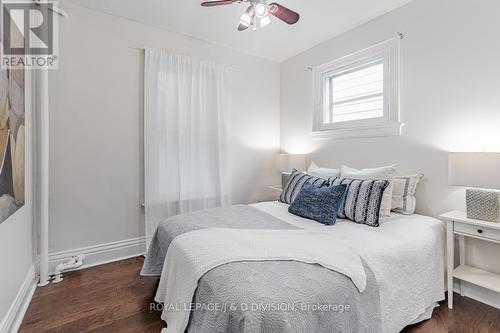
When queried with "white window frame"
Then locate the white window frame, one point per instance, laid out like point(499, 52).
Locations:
point(387, 53)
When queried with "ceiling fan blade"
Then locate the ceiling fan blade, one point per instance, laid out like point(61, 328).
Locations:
point(283, 13)
point(217, 3)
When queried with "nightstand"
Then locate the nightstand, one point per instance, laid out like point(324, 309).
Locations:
point(458, 224)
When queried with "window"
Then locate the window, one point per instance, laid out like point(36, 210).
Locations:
point(358, 95)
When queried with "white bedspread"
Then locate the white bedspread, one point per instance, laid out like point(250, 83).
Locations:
point(193, 254)
point(406, 253)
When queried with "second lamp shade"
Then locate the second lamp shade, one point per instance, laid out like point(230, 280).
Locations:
point(479, 170)
point(288, 162)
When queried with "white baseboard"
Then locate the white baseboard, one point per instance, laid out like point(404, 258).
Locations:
point(17, 310)
point(101, 254)
point(479, 294)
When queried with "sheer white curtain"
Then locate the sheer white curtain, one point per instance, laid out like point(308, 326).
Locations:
point(186, 136)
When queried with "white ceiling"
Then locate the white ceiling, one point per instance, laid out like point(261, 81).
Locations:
point(320, 21)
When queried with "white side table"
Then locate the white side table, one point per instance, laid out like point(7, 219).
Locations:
point(458, 224)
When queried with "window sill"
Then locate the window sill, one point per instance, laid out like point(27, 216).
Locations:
point(359, 132)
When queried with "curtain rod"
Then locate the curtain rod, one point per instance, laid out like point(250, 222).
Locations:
point(142, 49)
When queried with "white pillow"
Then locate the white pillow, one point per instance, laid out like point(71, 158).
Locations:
point(325, 173)
point(403, 194)
point(384, 173)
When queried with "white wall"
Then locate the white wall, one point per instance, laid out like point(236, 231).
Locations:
point(450, 99)
point(17, 232)
point(96, 174)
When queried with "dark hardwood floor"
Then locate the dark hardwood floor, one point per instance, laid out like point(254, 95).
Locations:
point(114, 298)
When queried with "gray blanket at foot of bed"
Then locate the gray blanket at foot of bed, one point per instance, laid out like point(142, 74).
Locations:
point(275, 296)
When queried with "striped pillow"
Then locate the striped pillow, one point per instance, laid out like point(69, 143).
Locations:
point(363, 200)
point(403, 194)
point(295, 183)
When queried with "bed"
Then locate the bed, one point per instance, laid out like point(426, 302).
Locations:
point(402, 262)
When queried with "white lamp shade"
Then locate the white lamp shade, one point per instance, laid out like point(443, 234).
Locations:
point(287, 162)
point(480, 170)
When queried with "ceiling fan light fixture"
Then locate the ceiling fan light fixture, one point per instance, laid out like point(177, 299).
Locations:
point(261, 10)
point(266, 20)
point(247, 17)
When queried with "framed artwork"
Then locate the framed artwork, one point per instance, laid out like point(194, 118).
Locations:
point(12, 136)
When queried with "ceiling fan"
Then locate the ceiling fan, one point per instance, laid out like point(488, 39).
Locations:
point(257, 14)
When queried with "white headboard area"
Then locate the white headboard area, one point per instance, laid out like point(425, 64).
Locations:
point(434, 195)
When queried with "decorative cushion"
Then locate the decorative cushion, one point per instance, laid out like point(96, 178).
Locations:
point(403, 194)
point(316, 171)
point(295, 184)
point(384, 173)
point(363, 200)
point(319, 204)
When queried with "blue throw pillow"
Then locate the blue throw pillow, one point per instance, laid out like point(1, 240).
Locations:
point(319, 204)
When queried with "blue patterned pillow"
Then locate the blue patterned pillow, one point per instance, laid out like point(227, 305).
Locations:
point(295, 183)
point(319, 204)
point(362, 201)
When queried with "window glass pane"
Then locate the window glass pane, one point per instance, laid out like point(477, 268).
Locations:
point(357, 94)
point(357, 110)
